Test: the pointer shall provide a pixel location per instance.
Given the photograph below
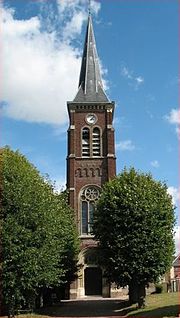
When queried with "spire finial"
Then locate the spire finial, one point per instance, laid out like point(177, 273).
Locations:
point(89, 7)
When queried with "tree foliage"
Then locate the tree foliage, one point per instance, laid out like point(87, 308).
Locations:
point(39, 239)
point(134, 223)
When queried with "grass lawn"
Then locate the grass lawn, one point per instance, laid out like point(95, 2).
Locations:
point(158, 305)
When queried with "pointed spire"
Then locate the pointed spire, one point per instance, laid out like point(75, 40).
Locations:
point(90, 82)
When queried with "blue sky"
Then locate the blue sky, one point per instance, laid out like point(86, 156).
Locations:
point(137, 42)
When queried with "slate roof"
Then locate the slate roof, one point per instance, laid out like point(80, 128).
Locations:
point(90, 82)
point(176, 262)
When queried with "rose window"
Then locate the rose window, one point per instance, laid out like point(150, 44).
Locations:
point(91, 193)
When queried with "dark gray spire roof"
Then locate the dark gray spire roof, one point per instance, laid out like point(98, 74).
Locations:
point(90, 82)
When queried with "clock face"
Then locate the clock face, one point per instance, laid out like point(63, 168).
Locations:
point(91, 119)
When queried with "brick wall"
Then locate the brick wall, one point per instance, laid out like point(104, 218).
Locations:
point(83, 171)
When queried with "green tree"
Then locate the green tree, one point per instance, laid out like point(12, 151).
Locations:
point(134, 223)
point(39, 239)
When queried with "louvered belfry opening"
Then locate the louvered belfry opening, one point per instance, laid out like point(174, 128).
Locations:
point(85, 142)
point(96, 145)
point(91, 142)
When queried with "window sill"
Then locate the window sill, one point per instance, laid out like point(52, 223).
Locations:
point(82, 236)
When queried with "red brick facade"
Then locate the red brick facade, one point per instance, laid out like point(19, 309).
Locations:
point(88, 171)
point(176, 266)
point(83, 171)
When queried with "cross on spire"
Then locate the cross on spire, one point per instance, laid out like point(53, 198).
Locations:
point(89, 7)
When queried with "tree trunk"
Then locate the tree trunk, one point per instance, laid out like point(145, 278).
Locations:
point(141, 295)
point(137, 293)
point(133, 292)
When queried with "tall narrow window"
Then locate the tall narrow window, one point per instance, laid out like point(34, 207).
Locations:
point(84, 217)
point(91, 212)
point(96, 146)
point(88, 198)
point(85, 142)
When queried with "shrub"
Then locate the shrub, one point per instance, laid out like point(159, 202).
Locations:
point(159, 288)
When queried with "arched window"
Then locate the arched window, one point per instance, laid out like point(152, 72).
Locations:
point(88, 198)
point(85, 142)
point(96, 146)
point(91, 142)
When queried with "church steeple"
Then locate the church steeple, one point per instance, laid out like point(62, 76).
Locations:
point(91, 162)
point(90, 81)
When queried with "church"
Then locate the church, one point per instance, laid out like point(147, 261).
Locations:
point(91, 162)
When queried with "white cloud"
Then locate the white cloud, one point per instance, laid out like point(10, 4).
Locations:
point(38, 77)
point(126, 73)
point(75, 12)
point(40, 68)
point(174, 118)
point(65, 4)
point(74, 5)
point(125, 145)
point(139, 79)
point(74, 26)
point(133, 80)
point(175, 193)
point(155, 163)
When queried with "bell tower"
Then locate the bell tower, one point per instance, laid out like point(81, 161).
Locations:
point(90, 162)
